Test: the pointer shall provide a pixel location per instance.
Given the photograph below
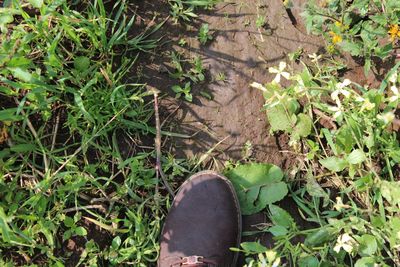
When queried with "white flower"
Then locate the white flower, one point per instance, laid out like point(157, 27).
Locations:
point(339, 204)
point(337, 109)
point(258, 86)
point(388, 117)
point(396, 94)
point(340, 90)
point(279, 72)
point(345, 242)
point(343, 84)
point(314, 57)
point(393, 78)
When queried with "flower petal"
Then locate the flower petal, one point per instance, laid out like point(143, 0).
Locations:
point(273, 70)
point(282, 65)
point(277, 78)
point(286, 75)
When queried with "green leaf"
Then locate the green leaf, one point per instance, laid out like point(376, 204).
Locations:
point(80, 231)
point(81, 63)
point(278, 230)
point(391, 192)
point(308, 261)
point(334, 164)
point(23, 148)
point(356, 157)
point(257, 186)
point(303, 126)
point(280, 118)
point(319, 237)
point(280, 216)
point(69, 222)
point(5, 19)
point(116, 242)
point(368, 245)
point(353, 48)
point(253, 247)
point(36, 3)
point(79, 103)
point(21, 74)
point(365, 262)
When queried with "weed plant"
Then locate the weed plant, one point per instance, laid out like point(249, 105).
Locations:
point(346, 180)
point(365, 29)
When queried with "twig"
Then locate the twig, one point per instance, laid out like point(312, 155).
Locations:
point(99, 207)
point(55, 131)
point(159, 171)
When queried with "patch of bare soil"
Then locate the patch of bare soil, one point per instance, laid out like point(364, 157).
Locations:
point(232, 125)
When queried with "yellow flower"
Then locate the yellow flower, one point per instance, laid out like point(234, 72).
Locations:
point(336, 38)
point(341, 26)
point(394, 32)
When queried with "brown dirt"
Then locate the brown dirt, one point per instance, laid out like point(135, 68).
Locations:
point(234, 116)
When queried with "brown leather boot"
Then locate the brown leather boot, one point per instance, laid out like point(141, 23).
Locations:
point(203, 224)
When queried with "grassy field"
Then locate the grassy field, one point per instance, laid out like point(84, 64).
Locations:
point(78, 183)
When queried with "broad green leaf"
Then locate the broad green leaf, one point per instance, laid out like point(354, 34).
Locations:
point(391, 192)
point(69, 222)
point(81, 63)
point(21, 74)
point(353, 48)
point(280, 216)
point(303, 126)
point(321, 236)
point(19, 62)
point(356, 157)
point(80, 231)
point(367, 245)
point(334, 164)
point(308, 261)
point(253, 247)
point(365, 262)
point(257, 186)
point(5, 19)
point(278, 230)
point(281, 117)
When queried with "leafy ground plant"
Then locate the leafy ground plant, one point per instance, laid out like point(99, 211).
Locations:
point(204, 34)
point(343, 135)
point(65, 105)
point(367, 29)
point(183, 10)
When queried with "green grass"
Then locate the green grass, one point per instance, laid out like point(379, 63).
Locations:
point(67, 100)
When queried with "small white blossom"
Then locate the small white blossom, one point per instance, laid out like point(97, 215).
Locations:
point(393, 78)
point(314, 57)
point(345, 242)
point(343, 84)
point(340, 90)
point(395, 95)
point(279, 72)
point(388, 117)
point(258, 86)
point(339, 204)
point(337, 109)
